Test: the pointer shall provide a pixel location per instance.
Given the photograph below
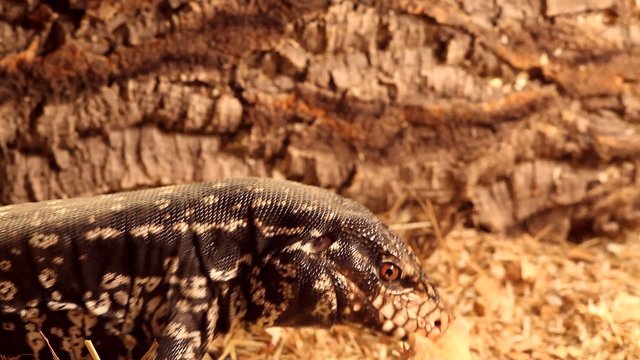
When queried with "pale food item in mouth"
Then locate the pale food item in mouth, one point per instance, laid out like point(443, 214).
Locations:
point(453, 345)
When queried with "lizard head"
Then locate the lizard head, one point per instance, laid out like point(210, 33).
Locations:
point(326, 260)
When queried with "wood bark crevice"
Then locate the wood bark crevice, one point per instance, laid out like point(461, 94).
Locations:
point(516, 116)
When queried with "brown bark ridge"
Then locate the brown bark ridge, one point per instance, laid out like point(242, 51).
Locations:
point(519, 115)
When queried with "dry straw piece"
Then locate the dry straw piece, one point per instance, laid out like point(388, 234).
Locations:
point(92, 350)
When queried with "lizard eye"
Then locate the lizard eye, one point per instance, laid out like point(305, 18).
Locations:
point(321, 243)
point(390, 271)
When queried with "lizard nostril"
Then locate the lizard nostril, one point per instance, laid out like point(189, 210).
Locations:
point(437, 323)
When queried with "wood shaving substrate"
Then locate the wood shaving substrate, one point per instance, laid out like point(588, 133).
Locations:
point(521, 298)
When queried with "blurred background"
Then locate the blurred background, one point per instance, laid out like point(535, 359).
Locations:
point(499, 138)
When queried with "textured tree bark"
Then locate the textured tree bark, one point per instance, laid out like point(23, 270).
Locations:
point(517, 115)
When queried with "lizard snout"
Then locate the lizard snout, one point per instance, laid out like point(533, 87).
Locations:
point(439, 321)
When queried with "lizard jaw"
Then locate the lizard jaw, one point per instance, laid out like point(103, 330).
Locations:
point(408, 313)
point(396, 315)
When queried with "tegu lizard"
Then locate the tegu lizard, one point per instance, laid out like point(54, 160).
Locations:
point(182, 264)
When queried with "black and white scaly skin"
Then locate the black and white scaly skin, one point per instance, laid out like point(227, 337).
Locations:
point(181, 264)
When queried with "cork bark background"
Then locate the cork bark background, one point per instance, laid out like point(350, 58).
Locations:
point(511, 115)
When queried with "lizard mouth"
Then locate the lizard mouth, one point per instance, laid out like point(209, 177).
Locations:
point(407, 313)
point(395, 315)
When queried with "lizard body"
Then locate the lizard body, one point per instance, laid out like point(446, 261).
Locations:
point(182, 264)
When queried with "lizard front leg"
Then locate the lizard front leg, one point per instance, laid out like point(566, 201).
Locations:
point(182, 338)
point(189, 330)
point(188, 318)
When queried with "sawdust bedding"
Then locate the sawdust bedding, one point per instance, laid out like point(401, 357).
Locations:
point(518, 298)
